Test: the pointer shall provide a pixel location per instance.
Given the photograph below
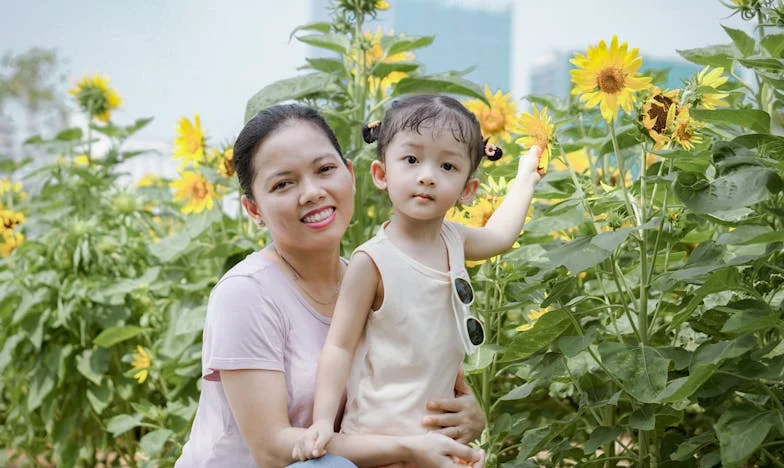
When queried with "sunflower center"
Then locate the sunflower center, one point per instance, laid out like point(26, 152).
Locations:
point(658, 112)
point(684, 132)
point(199, 190)
point(493, 120)
point(610, 80)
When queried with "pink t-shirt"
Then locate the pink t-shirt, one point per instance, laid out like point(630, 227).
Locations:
point(256, 319)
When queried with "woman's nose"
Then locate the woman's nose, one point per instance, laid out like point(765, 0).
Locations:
point(312, 191)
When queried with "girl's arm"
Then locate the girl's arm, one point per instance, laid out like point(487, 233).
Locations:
point(356, 297)
point(264, 424)
point(504, 226)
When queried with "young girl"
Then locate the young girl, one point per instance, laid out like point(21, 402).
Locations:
point(402, 322)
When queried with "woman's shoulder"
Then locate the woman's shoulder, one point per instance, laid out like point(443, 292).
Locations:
point(253, 274)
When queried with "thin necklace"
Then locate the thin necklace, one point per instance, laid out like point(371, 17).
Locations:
point(296, 276)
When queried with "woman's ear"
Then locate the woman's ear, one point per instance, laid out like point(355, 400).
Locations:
point(467, 195)
point(350, 166)
point(253, 210)
point(379, 173)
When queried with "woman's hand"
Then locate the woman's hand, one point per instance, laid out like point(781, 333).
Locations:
point(433, 450)
point(461, 418)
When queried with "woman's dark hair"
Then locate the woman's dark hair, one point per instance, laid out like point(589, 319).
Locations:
point(411, 112)
point(264, 124)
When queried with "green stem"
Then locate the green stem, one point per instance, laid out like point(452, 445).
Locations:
point(622, 175)
point(622, 291)
point(579, 189)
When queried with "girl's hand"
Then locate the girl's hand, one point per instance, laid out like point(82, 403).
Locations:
point(313, 442)
point(433, 450)
point(528, 167)
point(462, 418)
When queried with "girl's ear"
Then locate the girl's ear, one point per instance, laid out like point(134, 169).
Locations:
point(467, 195)
point(253, 210)
point(379, 173)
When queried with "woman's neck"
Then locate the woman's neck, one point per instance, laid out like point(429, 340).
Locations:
point(321, 267)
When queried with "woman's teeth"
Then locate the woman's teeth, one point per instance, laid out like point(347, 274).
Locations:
point(320, 216)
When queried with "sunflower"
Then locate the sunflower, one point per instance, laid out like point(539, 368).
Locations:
point(82, 160)
point(708, 78)
point(382, 5)
point(533, 316)
point(10, 219)
point(579, 160)
point(194, 188)
point(537, 128)
point(141, 362)
point(9, 241)
point(375, 54)
point(685, 129)
point(608, 77)
point(498, 119)
point(658, 115)
point(189, 143)
point(150, 180)
point(95, 97)
point(224, 159)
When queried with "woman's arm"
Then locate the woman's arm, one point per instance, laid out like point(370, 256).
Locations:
point(264, 424)
point(356, 297)
point(504, 226)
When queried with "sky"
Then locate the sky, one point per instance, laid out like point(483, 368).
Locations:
point(175, 58)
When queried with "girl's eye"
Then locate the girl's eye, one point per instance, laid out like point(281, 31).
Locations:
point(449, 167)
point(411, 159)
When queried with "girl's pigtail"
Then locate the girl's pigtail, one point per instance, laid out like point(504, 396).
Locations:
point(492, 152)
point(370, 131)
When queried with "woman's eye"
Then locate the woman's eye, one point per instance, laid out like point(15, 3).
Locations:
point(280, 185)
point(411, 159)
point(449, 166)
point(327, 168)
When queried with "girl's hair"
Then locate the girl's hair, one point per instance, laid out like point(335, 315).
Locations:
point(411, 112)
point(264, 124)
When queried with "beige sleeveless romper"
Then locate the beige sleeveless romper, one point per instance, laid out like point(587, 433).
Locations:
point(410, 351)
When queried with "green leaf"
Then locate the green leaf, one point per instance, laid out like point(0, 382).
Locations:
point(382, 69)
point(114, 335)
point(41, 384)
point(641, 369)
point(743, 41)
point(482, 358)
point(100, 396)
point(600, 436)
point(7, 353)
point(626, 138)
point(774, 44)
point(643, 418)
point(322, 27)
point(531, 440)
point(774, 65)
point(743, 235)
point(687, 449)
point(335, 42)
point(29, 301)
point(190, 319)
point(326, 65)
point(756, 140)
point(753, 119)
point(521, 392)
point(741, 432)
point(740, 188)
point(399, 44)
point(715, 56)
point(571, 346)
point(152, 443)
point(578, 255)
point(439, 84)
point(93, 364)
point(295, 88)
point(123, 423)
point(684, 387)
point(69, 134)
point(714, 353)
point(546, 329)
point(171, 247)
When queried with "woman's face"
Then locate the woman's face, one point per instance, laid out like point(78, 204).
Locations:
point(303, 191)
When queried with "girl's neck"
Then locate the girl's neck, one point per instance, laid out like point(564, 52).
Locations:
point(412, 231)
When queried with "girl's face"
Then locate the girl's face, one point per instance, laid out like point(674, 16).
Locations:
point(425, 174)
point(302, 190)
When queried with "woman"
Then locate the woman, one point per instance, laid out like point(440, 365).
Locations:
point(267, 317)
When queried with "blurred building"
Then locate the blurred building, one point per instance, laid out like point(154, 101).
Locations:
point(467, 34)
point(550, 73)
